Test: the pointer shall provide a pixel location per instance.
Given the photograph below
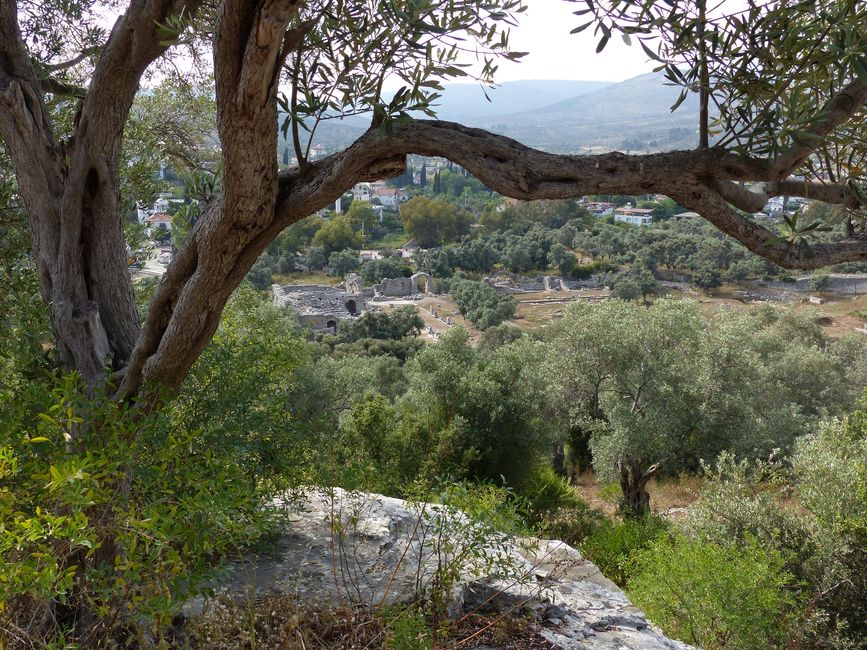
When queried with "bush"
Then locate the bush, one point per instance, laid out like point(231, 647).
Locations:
point(105, 514)
point(818, 539)
point(403, 321)
point(339, 264)
point(715, 596)
point(480, 303)
point(107, 511)
point(375, 271)
point(615, 545)
point(555, 511)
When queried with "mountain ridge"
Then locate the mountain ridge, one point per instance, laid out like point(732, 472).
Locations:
point(632, 116)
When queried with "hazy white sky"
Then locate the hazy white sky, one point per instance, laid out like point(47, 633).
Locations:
point(554, 53)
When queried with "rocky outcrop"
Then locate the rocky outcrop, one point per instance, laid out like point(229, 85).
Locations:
point(370, 549)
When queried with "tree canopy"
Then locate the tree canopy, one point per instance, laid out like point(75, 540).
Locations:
point(782, 90)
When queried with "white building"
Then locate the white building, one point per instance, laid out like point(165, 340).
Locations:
point(634, 216)
point(158, 222)
point(390, 197)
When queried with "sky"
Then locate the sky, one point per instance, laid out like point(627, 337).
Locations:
point(554, 53)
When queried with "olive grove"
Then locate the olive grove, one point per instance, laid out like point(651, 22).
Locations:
point(787, 84)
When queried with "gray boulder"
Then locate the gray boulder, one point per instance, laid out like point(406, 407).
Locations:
point(370, 549)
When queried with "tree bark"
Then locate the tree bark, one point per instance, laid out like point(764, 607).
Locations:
point(633, 484)
point(70, 190)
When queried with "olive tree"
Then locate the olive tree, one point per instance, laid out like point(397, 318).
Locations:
point(788, 83)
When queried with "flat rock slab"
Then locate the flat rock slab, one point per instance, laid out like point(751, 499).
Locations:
point(342, 547)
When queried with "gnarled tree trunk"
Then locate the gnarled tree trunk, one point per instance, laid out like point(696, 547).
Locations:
point(633, 483)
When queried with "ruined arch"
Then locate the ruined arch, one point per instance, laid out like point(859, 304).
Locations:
point(427, 280)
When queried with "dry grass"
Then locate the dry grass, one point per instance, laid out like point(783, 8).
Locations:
point(283, 622)
point(314, 277)
point(538, 308)
point(669, 497)
point(280, 622)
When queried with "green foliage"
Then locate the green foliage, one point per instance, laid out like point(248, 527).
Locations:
point(714, 595)
point(402, 322)
point(555, 511)
point(339, 264)
point(360, 214)
point(550, 214)
point(171, 125)
point(765, 106)
point(334, 73)
point(818, 539)
point(407, 629)
point(480, 303)
point(463, 415)
point(820, 282)
point(431, 222)
point(375, 271)
point(337, 234)
point(436, 263)
point(614, 546)
point(706, 278)
point(139, 511)
point(315, 257)
point(665, 384)
point(237, 392)
point(500, 335)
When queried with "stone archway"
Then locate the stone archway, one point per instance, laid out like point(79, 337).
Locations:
point(332, 325)
point(425, 278)
point(351, 307)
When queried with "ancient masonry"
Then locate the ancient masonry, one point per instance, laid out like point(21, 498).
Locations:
point(321, 307)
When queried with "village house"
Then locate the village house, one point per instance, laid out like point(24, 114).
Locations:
point(158, 222)
point(390, 197)
point(598, 208)
point(634, 216)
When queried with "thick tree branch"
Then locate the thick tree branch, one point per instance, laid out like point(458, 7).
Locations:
point(836, 111)
point(757, 195)
point(223, 245)
point(793, 255)
point(264, 52)
point(57, 87)
point(65, 65)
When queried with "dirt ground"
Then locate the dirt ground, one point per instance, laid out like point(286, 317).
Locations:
point(836, 313)
point(434, 326)
point(669, 497)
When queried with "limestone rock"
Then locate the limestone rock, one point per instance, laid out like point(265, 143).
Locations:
point(365, 548)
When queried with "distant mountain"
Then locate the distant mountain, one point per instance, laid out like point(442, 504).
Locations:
point(634, 115)
point(561, 116)
point(467, 102)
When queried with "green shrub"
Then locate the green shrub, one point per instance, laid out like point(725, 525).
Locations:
point(555, 511)
point(814, 515)
point(615, 546)
point(104, 512)
point(480, 303)
point(716, 596)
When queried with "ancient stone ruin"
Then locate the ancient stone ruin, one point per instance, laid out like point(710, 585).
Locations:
point(403, 287)
point(320, 307)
